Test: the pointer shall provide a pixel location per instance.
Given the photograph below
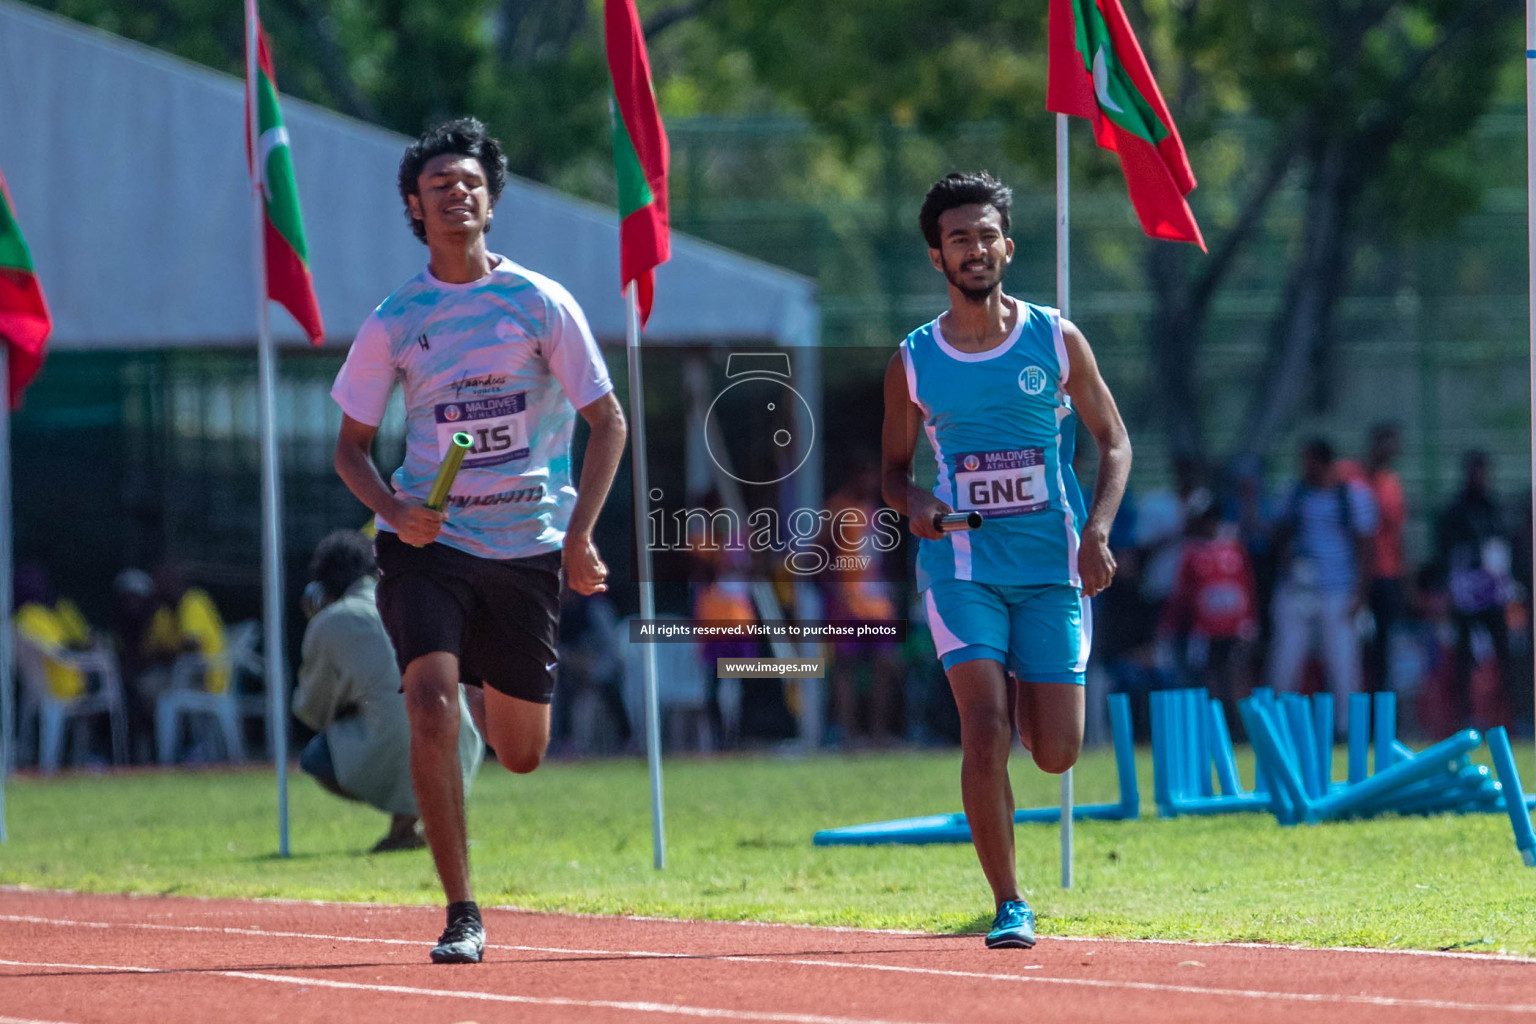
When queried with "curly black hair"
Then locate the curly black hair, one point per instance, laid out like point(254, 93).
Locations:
point(464, 136)
point(341, 559)
point(954, 190)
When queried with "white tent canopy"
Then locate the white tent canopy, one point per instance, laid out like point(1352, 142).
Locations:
point(127, 169)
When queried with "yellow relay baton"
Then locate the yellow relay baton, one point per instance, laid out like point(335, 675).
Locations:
point(437, 498)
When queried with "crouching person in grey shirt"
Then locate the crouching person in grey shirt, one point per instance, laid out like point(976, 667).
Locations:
point(349, 693)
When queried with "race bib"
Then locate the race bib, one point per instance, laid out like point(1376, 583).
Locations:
point(498, 425)
point(1006, 483)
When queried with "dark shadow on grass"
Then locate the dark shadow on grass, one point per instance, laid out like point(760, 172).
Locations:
point(263, 858)
point(976, 926)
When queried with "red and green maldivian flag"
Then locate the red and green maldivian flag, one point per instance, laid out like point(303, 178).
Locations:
point(24, 320)
point(1097, 71)
point(639, 154)
point(288, 278)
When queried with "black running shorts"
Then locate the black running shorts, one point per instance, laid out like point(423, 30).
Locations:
point(498, 617)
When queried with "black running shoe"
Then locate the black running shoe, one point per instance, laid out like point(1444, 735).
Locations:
point(462, 942)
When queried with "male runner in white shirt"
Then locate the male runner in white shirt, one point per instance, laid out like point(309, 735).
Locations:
point(484, 346)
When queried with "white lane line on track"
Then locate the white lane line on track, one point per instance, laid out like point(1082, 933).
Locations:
point(935, 972)
point(674, 1009)
point(1449, 954)
point(26, 1020)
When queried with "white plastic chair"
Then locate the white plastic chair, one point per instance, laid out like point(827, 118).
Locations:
point(185, 696)
point(682, 689)
point(103, 695)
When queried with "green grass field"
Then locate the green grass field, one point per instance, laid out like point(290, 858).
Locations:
point(576, 837)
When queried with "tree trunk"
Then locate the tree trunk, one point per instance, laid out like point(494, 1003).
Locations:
point(1174, 338)
point(1311, 293)
point(1183, 303)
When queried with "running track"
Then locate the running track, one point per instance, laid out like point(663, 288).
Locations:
point(75, 959)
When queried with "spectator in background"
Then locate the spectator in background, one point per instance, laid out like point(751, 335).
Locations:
point(1212, 608)
point(1522, 655)
point(1323, 561)
point(53, 623)
point(1473, 552)
point(719, 570)
point(349, 693)
point(1387, 595)
point(133, 606)
point(1125, 624)
point(866, 677)
point(185, 622)
point(591, 673)
point(1161, 517)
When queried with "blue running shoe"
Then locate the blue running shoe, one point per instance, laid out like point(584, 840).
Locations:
point(1013, 927)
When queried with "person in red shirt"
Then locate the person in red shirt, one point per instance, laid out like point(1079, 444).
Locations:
point(1387, 597)
point(1213, 605)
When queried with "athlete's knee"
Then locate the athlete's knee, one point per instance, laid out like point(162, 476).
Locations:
point(433, 709)
point(985, 732)
point(519, 760)
point(1056, 754)
point(522, 764)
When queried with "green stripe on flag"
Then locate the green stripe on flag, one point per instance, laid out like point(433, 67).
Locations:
point(634, 191)
point(13, 248)
point(278, 183)
point(1117, 96)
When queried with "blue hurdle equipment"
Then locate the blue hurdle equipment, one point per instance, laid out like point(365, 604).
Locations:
point(953, 828)
point(1359, 736)
point(1514, 795)
point(1441, 759)
point(1189, 738)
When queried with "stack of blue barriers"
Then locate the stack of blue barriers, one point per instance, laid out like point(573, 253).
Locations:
point(1292, 739)
point(1194, 770)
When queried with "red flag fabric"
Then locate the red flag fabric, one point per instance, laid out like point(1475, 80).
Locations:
point(1098, 71)
point(640, 154)
point(287, 254)
point(24, 320)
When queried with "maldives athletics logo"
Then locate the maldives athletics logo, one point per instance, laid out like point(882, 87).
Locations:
point(971, 463)
point(1032, 380)
point(451, 413)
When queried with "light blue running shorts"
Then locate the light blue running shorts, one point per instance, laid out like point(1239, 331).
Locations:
point(1040, 633)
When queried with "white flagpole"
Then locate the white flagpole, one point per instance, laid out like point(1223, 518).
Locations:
point(1530, 202)
point(1063, 303)
point(271, 484)
point(640, 476)
point(7, 654)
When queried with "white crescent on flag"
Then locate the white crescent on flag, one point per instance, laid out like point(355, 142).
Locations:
point(1100, 82)
point(272, 138)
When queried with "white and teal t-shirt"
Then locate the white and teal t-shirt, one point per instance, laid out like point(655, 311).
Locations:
point(1002, 430)
point(507, 359)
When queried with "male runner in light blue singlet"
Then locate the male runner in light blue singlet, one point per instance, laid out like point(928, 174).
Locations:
point(998, 385)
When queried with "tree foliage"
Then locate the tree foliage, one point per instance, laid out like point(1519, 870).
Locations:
point(1365, 104)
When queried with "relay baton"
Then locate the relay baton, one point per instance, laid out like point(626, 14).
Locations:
point(438, 496)
point(947, 522)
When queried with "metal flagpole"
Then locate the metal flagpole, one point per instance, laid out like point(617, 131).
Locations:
point(271, 485)
point(1530, 213)
point(7, 655)
point(640, 476)
point(1063, 303)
